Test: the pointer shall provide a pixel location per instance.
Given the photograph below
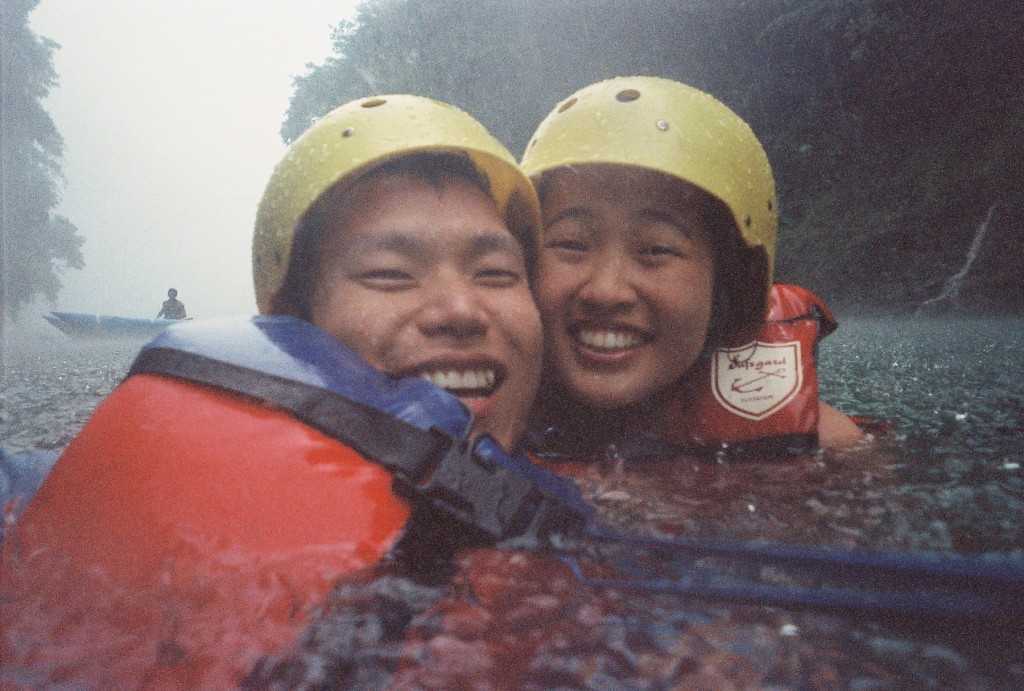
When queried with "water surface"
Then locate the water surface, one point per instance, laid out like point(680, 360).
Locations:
point(948, 480)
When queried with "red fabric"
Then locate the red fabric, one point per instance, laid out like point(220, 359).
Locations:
point(184, 533)
point(762, 383)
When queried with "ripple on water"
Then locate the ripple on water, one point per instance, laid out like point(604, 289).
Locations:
point(51, 386)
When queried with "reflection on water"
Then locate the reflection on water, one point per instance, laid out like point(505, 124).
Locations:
point(949, 481)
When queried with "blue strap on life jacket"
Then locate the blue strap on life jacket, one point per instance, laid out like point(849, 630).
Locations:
point(295, 350)
point(414, 429)
point(21, 475)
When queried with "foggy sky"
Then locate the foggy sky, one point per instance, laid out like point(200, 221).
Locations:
point(170, 113)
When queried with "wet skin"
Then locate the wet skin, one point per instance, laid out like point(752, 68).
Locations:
point(624, 283)
point(427, 282)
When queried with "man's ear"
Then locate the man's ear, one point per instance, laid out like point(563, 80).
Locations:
point(295, 297)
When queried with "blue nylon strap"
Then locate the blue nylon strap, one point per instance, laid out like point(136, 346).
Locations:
point(919, 584)
point(21, 475)
point(996, 609)
point(295, 350)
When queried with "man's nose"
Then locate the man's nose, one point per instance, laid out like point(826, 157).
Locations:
point(453, 308)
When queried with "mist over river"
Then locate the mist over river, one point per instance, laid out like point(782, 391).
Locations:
point(948, 480)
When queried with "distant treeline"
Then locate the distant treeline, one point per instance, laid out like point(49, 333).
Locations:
point(36, 243)
point(892, 126)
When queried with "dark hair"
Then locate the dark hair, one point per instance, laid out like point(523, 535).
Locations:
point(296, 291)
point(738, 296)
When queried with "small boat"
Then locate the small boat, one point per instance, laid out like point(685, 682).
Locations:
point(81, 325)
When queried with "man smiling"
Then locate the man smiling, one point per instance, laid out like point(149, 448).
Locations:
point(411, 266)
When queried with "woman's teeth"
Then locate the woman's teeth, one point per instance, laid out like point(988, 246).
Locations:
point(466, 381)
point(609, 340)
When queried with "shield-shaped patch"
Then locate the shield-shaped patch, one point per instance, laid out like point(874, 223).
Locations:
point(757, 379)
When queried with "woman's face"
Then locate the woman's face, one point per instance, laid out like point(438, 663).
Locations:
point(624, 283)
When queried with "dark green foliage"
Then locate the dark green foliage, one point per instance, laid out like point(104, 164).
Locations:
point(36, 242)
point(892, 126)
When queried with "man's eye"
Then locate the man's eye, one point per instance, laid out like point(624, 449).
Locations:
point(386, 279)
point(657, 250)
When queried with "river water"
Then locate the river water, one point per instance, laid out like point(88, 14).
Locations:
point(947, 480)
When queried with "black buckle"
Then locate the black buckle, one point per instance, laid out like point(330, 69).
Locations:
point(479, 492)
point(488, 499)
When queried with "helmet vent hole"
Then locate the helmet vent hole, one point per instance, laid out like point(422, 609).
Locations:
point(374, 102)
point(662, 125)
point(747, 221)
point(627, 95)
point(567, 105)
point(348, 131)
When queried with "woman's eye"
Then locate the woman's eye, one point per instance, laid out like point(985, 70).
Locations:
point(658, 251)
point(567, 244)
point(499, 278)
point(657, 255)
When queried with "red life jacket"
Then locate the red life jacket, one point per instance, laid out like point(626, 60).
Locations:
point(207, 507)
point(762, 385)
point(186, 523)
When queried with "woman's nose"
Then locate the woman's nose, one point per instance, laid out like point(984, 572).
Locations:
point(609, 282)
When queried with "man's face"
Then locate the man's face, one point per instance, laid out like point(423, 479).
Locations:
point(624, 282)
point(429, 283)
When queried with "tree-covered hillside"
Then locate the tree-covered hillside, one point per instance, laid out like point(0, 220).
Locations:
point(35, 243)
point(893, 127)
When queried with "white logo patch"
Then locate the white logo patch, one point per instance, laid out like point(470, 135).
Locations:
point(758, 379)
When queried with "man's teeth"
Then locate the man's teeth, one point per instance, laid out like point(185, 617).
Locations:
point(609, 340)
point(462, 381)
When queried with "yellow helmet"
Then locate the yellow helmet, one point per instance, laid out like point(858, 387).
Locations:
point(670, 128)
point(352, 138)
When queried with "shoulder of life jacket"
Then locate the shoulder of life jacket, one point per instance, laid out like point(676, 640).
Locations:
point(268, 440)
point(759, 391)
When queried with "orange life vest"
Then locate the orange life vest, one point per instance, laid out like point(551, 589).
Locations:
point(760, 389)
point(185, 522)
